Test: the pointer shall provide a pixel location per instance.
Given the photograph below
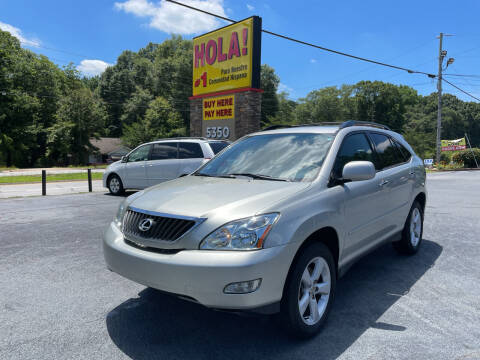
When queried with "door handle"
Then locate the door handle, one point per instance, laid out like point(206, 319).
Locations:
point(383, 183)
point(412, 173)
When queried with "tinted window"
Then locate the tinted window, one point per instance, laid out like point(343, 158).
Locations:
point(403, 151)
point(388, 154)
point(139, 154)
point(354, 148)
point(218, 146)
point(189, 151)
point(164, 151)
point(294, 157)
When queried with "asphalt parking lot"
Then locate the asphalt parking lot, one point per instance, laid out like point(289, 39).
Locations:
point(58, 301)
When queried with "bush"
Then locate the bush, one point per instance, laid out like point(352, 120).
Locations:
point(466, 158)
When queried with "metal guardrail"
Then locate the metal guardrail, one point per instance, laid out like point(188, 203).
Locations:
point(44, 181)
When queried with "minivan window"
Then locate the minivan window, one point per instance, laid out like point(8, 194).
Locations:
point(355, 147)
point(164, 151)
point(291, 157)
point(388, 154)
point(139, 154)
point(188, 150)
point(218, 146)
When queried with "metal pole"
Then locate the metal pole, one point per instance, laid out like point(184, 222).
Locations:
point(439, 88)
point(473, 153)
point(44, 182)
point(89, 180)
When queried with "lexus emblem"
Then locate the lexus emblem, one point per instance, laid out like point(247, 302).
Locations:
point(145, 224)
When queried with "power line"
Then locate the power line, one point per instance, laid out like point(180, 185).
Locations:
point(463, 75)
point(410, 71)
point(463, 91)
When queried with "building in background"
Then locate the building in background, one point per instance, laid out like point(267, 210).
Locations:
point(107, 150)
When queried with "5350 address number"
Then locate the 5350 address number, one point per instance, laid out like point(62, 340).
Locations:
point(218, 132)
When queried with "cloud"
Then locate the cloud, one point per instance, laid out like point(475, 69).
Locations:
point(16, 32)
point(250, 7)
point(313, 61)
point(284, 88)
point(172, 18)
point(92, 67)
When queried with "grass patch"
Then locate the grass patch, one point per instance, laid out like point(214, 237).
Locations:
point(53, 177)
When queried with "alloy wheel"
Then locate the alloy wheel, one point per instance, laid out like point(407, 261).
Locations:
point(314, 291)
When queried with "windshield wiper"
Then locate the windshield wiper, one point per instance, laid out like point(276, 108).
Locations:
point(218, 176)
point(259, 176)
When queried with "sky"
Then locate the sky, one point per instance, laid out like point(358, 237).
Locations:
point(93, 33)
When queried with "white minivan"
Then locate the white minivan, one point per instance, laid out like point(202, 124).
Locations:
point(158, 161)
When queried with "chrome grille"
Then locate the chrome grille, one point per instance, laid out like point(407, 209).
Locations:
point(163, 228)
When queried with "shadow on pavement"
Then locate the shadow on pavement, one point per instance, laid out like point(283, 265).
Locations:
point(158, 326)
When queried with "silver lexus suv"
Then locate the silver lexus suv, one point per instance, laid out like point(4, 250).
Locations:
point(271, 223)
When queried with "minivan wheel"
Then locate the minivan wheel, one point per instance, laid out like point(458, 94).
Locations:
point(115, 185)
point(309, 293)
point(412, 232)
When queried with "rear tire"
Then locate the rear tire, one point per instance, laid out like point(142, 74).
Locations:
point(412, 231)
point(115, 185)
point(309, 291)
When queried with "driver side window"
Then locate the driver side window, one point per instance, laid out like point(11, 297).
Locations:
point(139, 154)
point(355, 147)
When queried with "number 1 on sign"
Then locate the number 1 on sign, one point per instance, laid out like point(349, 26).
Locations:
point(203, 78)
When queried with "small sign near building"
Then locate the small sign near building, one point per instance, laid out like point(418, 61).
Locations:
point(454, 145)
point(428, 162)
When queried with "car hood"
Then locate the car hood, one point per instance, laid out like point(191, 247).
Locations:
point(200, 196)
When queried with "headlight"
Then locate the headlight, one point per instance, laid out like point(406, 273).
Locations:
point(122, 209)
point(244, 234)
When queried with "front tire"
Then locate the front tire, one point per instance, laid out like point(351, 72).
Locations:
point(115, 185)
point(412, 231)
point(309, 293)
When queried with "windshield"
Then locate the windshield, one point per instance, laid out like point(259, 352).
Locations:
point(289, 157)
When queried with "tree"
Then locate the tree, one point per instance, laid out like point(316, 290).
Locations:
point(160, 121)
point(79, 117)
point(269, 82)
point(134, 108)
point(323, 105)
point(286, 111)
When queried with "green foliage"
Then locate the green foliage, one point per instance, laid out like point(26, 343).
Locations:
point(79, 117)
point(467, 157)
point(269, 82)
point(160, 121)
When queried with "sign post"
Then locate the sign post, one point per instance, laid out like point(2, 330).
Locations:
point(226, 101)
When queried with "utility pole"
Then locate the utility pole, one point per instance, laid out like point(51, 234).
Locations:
point(441, 55)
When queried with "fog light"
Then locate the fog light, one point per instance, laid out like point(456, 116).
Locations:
point(243, 287)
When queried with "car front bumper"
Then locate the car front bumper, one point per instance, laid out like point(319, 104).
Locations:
point(203, 274)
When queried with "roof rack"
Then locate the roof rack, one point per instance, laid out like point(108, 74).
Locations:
point(341, 125)
point(283, 126)
point(183, 138)
point(363, 123)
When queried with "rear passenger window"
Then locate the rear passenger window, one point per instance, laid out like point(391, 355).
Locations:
point(164, 151)
point(354, 148)
point(218, 146)
point(189, 151)
point(388, 154)
point(403, 150)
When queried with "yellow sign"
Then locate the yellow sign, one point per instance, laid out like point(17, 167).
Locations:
point(228, 58)
point(219, 108)
point(453, 145)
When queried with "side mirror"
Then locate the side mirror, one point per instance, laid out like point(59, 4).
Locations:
point(124, 159)
point(358, 171)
